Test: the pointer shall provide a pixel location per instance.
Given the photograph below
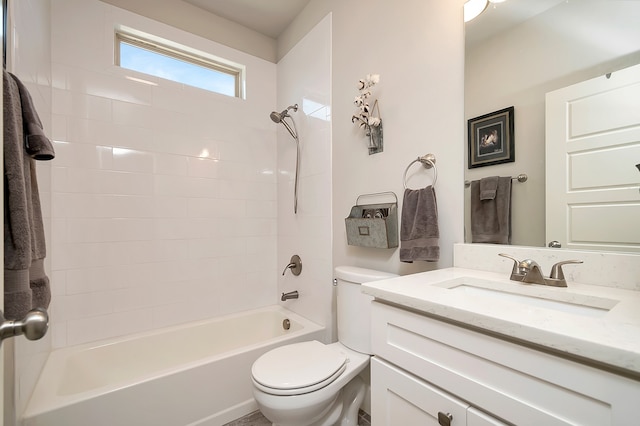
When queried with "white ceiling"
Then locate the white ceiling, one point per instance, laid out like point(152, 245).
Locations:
point(272, 17)
point(268, 17)
point(502, 16)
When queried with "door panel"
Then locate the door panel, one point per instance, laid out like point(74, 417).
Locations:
point(592, 148)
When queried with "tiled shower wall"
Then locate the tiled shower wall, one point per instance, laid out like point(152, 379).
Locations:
point(304, 77)
point(163, 196)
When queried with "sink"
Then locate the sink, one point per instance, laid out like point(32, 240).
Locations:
point(538, 297)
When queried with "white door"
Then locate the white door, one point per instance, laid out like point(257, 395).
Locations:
point(592, 149)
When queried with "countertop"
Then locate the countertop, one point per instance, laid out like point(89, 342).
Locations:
point(610, 341)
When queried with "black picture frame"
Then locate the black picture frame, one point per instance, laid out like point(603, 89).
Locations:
point(491, 139)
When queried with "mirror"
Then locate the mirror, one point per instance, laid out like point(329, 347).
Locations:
point(519, 50)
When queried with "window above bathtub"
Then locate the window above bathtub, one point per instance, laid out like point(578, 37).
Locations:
point(165, 59)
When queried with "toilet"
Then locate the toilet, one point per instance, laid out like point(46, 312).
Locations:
point(313, 384)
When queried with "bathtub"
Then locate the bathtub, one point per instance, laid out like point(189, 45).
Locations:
point(193, 374)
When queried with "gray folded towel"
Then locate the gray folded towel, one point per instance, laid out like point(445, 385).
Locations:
point(488, 187)
point(38, 146)
point(419, 232)
point(24, 243)
point(491, 218)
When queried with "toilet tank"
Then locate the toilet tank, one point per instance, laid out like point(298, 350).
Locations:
point(354, 307)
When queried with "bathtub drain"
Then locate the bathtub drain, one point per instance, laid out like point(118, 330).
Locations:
point(286, 324)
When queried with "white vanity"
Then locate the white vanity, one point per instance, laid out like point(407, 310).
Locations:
point(465, 346)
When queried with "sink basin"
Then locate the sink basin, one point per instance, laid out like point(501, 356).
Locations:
point(539, 297)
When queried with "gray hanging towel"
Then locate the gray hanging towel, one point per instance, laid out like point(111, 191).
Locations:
point(419, 232)
point(37, 145)
point(491, 216)
point(26, 284)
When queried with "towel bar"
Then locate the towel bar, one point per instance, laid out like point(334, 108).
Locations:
point(428, 161)
point(520, 178)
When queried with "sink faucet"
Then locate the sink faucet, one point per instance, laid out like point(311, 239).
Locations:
point(528, 271)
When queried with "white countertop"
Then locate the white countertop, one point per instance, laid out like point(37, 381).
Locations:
point(611, 340)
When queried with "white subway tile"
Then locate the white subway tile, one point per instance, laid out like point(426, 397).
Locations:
point(132, 160)
point(169, 206)
point(203, 167)
point(105, 326)
point(132, 114)
point(83, 155)
point(169, 164)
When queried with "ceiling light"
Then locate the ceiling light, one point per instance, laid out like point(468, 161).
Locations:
point(473, 8)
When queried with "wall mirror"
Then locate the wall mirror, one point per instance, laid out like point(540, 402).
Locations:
point(517, 51)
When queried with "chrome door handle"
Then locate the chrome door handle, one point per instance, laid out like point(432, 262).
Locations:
point(34, 325)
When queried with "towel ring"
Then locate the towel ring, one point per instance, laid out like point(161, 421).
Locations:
point(428, 161)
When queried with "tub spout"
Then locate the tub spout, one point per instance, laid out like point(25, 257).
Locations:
point(290, 295)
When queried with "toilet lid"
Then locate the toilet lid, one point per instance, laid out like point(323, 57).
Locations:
point(299, 365)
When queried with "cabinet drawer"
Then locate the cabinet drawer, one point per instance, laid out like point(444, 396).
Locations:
point(398, 398)
point(515, 383)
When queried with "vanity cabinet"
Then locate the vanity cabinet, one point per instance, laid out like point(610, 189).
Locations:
point(401, 398)
point(423, 366)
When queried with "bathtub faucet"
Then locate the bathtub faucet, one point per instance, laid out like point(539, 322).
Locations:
point(290, 295)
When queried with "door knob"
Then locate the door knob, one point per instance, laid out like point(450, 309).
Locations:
point(34, 325)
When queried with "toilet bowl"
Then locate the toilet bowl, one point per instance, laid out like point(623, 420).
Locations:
point(313, 384)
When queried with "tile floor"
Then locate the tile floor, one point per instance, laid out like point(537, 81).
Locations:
point(257, 419)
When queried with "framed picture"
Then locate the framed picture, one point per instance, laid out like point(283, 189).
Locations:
point(491, 139)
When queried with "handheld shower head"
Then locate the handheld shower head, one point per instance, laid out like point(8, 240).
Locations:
point(277, 117)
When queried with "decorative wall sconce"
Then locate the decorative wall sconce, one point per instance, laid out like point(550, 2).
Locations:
point(366, 116)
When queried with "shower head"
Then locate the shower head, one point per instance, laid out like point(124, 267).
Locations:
point(277, 117)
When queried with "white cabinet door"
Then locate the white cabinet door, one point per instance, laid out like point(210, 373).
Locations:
point(592, 149)
point(399, 398)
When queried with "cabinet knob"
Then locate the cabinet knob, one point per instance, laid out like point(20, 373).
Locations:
point(444, 419)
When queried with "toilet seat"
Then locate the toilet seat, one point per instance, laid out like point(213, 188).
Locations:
point(298, 368)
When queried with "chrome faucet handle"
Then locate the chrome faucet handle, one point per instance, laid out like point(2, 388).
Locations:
point(556, 270)
point(516, 273)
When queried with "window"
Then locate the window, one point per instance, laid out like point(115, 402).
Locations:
point(183, 66)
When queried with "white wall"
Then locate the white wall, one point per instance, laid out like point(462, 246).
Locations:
point(569, 43)
point(304, 77)
point(417, 47)
point(163, 196)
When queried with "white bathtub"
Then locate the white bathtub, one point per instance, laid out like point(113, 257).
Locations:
point(192, 374)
